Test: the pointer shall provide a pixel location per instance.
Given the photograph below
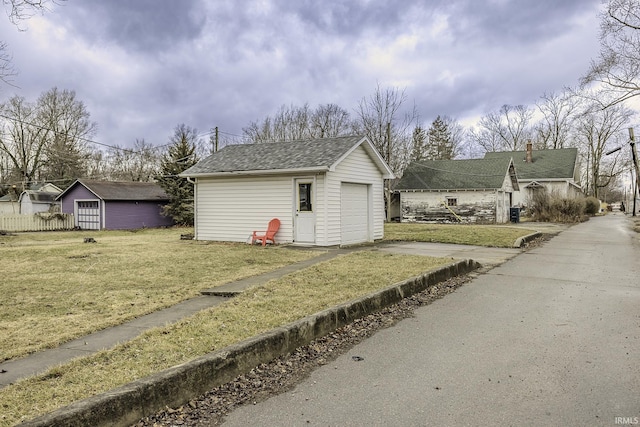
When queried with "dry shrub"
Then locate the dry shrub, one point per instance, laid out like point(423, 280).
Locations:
point(545, 207)
point(592, 205)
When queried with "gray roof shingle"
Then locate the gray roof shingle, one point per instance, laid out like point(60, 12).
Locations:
point(122, 190)
point(546, 164)
point(292, 155)
point(471, 174)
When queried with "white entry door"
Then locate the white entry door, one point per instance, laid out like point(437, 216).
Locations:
point(305, 216)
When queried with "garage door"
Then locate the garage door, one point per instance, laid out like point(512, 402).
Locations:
point(354, 213)
point(88, 217)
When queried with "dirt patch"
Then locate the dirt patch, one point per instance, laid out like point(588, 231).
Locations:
point(282, 374)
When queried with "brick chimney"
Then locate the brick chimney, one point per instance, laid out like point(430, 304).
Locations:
point(529, 157)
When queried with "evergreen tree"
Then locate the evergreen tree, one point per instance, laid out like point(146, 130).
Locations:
point(180, 155)
point(419, 150)
point(440, 144)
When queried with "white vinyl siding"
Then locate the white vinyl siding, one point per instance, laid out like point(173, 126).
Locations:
point(229, 209)
point(357, 168)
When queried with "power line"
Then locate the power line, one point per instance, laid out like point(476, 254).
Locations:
point(115, 147)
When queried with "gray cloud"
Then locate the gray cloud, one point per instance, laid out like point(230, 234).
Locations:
point(142, 67)
point(143, 25)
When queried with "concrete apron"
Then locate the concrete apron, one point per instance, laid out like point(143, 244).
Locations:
point(176, 386)
point(488, 257)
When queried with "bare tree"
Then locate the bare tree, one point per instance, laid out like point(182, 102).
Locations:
point(507, 129)
point(67, 126)
point(293, 123)
point(19, 10)
point(98, 165)
point(46, 139)
point(22, 142)
point(556, 127)
point(618, 64)
point(486, 139)
point(289, 123)
point(382, 119)
point(329, 120)
point(599, 129)
point(139, 163)
point(6, 68)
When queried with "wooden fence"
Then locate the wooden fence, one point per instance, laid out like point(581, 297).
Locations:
point(36, 222)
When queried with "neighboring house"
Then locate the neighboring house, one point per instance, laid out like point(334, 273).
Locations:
point(555, 172)
point(9, 205)
point(474, 191)
point(117, 205)
point(325, 192)
point(39, 198)
point(46, 187)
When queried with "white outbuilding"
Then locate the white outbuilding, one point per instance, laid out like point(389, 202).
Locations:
point(325, 192)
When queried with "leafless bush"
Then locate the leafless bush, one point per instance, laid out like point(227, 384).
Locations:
point(545, 207)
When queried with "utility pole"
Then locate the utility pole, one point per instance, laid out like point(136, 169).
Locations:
point(214, 139)
point(634, 154)
point(389, 181)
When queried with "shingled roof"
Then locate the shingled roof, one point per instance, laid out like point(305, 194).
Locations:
point(302, 155)
point(122, 190)
point(474, 174)
point(546, 164)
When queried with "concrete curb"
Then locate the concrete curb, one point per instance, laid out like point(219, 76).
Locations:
point(173, 387)
point(520, 241)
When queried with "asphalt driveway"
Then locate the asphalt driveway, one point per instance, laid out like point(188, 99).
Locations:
point(550, 337)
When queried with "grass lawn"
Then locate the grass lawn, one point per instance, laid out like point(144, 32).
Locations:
point(56, 288)
point(479, 235)
point(259, 309)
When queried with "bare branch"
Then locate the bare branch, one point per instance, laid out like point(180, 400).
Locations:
point(618, 64)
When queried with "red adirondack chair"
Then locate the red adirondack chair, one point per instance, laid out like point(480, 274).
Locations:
point(270, 234)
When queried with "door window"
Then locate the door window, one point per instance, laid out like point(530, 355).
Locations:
point(304, 197)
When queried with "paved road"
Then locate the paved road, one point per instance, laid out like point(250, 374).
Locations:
point(549, 338)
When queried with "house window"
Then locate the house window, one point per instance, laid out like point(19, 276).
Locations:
point(452, 202)
point(304, 197)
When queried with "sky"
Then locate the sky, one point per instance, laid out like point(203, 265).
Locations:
point(142, 67)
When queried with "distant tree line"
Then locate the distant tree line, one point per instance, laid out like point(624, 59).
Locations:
point(570, 118)
point(50, 139)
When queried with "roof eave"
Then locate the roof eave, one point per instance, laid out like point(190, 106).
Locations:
point(443, 190)
point(73, 185)
point(546, 179)
point(317, 169)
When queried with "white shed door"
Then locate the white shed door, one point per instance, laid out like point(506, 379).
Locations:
point(354, 213)
point(88, 215)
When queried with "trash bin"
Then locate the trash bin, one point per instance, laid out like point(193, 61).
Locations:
point(514, 215)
